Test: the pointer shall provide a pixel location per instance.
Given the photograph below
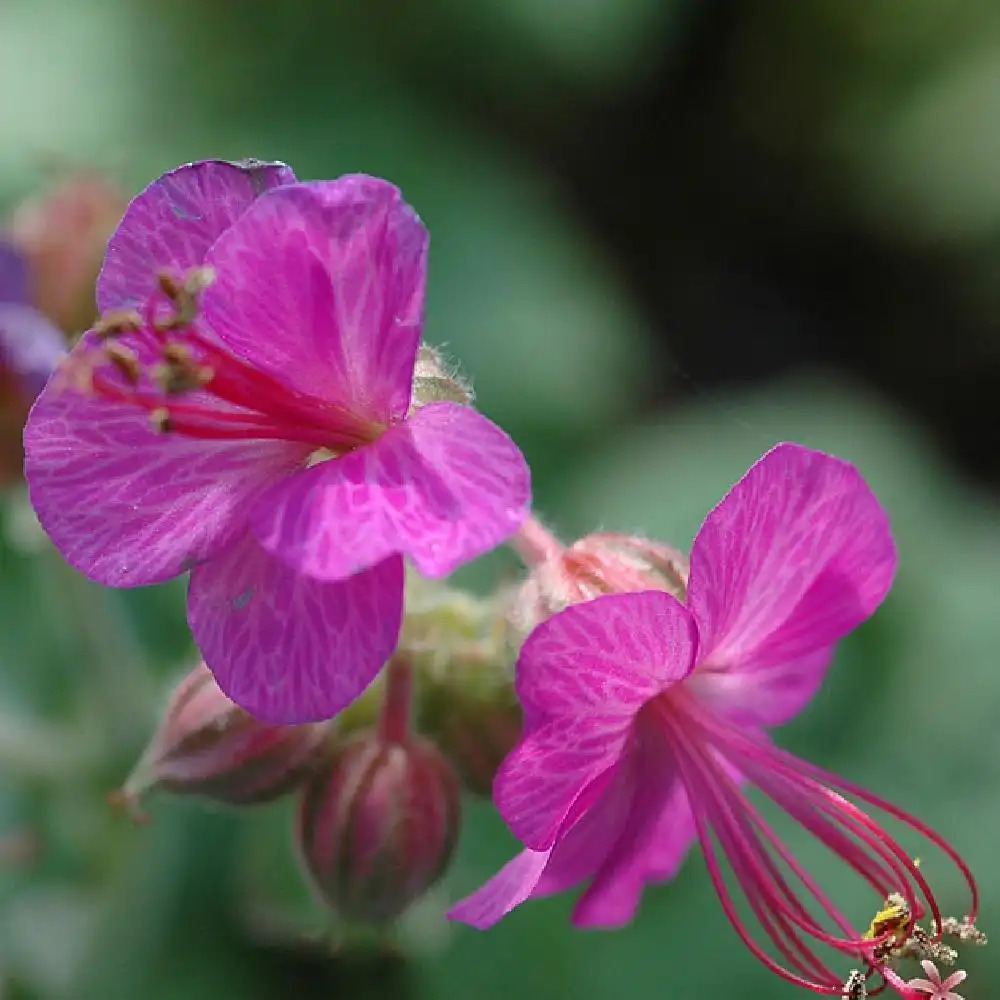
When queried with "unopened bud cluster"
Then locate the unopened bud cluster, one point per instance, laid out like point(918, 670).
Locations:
point(209, 747)
point(379, 804)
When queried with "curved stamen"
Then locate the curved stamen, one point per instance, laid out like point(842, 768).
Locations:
point(759, 858)
point(771, 755)
point(249, 403)
point(702, 824)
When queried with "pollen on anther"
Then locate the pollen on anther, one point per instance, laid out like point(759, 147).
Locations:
point(125, 360)
point(116, 322)
point(160, 419)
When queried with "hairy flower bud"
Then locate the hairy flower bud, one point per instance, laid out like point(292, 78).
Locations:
point(435, 381)
point(378, 822)
point(601, 563)
point(63, 233)
point(210, 747)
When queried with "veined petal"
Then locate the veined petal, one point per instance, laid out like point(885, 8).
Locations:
point(128, 506)
point(652, 843)
point(606, 656)
point(172, 223)
point(512, 885)
point(443, 487)
point(583, 847)
point(322, 284)
point(797, 554)
point(556, 773)
point(766, 696)
point(288, 648)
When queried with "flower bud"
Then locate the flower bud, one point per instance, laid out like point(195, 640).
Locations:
point(463, 651)
point(434, 381)
point(378, 824)
point(210, 747)
point(63, 233)
point(475, 729)
point(602, 563)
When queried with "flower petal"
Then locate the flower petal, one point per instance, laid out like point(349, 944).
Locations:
point(443, 487)
point(511, 886)
point(556, 773)
point(13, 275)
point(287, 648)
point(172, 223)
point(322, 284)
point(655, 840)
point(606, 656)
point(583, 846)
point(762, 697)
point(797, 554)
point(128, 506)
point(30, 345)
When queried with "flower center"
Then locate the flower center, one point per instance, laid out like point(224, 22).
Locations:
point(160, 361)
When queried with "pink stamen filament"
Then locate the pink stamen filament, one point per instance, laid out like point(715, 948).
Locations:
point(268, 408)
point(811, 797)
point(825, 783)
point(741, 846)
point(204, 422)
point(747, 856)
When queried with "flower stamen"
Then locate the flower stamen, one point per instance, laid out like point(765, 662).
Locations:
point(156, 357)
point(710, 755)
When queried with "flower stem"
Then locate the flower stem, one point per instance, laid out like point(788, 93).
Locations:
point(394, 721)
point(534, 543)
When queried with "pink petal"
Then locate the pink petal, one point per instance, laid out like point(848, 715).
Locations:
point(606, 656)
point(932, 973)
point(172, 223)
point(322, 284)
point(958, 976)
point(583, 846)
point(443, 487)
point(762, 697)
point(287, 648)
point(657, 835)
point(129, 506)
point(796, 555)
point(511, 886)
point(556, 772)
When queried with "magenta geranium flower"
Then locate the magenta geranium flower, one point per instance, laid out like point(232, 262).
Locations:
point(244, 411)
point(646, 718)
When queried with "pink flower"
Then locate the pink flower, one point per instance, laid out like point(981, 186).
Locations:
point(934, 987)
point(261, 434)
point(646, 716)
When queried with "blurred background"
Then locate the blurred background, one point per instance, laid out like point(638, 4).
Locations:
point(665, 235)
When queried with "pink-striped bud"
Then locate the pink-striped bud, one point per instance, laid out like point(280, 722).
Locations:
point(378, 824)
point(208, 746)
point(601, 563)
